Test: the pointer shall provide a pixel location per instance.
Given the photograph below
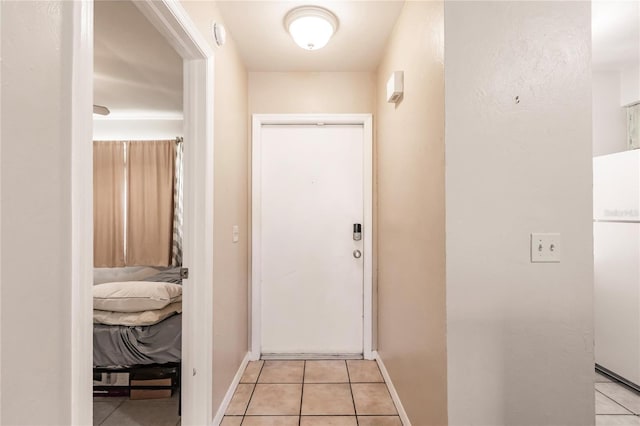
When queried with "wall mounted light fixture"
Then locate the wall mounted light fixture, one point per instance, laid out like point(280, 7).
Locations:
point(311, 27)
point(395, 87)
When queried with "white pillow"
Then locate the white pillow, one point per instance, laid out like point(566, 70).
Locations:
point(136, 318)
point(135, 296)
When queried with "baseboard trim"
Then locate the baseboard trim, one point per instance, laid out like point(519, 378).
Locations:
point(309, 356)
point(232, 388)
point(392, 390)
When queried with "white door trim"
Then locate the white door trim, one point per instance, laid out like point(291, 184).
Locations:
point(256, 202)
point(82, 214)
point(171, 20)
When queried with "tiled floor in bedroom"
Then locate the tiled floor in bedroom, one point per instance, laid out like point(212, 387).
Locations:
point(615, 404)
point(312, 393)
point(121, 411)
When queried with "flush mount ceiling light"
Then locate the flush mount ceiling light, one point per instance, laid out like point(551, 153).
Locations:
point(101, 110)
point(310, 26)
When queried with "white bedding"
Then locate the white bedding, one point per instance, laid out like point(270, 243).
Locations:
point(132, 319)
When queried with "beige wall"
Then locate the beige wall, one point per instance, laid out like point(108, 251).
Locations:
point(311, 92)
point(519, 334)
point(230, 263)
point(411, 238)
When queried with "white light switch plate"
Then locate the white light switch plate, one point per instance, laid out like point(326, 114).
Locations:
point(545, 247)
point(235, 232)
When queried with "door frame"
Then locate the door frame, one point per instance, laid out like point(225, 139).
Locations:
point(173, 22)
point(258, 120)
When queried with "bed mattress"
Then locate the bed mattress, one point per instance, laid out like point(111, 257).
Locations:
point(121, 346)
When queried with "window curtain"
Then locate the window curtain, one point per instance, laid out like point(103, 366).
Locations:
point(108, 204)
point(150, 166)
point(178, 191)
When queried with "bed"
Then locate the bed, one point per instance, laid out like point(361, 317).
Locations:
point(119, 345)
point(149, 354)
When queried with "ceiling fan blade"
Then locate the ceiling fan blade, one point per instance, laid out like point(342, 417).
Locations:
point(101, 110)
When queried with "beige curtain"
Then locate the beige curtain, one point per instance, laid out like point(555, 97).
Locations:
point(150, 166)
point(178, 199)
point(108, 204)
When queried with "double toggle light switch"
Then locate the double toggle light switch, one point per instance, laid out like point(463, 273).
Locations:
point(545, 247)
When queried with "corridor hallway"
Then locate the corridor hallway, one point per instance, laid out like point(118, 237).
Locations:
point(312, 393)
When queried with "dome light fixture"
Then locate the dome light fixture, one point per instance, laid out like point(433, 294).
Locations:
point(311, 27)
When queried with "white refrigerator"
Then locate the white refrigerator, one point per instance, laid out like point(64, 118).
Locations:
point(616, 234)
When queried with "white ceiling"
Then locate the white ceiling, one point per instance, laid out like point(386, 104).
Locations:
point(137, 74)
point(257, 28)
point(616, 34)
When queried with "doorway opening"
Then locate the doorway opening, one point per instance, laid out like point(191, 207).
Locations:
point(616, 217)
point(138, 225)
point(196, 57)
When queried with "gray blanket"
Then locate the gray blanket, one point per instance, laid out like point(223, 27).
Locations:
point(117, 345)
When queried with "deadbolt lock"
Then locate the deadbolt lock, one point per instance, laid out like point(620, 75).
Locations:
point(357, 232)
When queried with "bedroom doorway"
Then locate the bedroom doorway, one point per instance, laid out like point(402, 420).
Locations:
point(196, 62)
point(138, 224)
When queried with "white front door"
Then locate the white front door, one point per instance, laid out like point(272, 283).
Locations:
point(311, 182)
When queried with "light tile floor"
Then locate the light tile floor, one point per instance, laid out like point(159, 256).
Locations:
point(615, 404)
point(312, 393)
point(318, 393)
point(121, 411)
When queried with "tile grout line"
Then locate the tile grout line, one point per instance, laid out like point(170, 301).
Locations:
point(353, 399)
point(319, 383)
point(304, 370)
point(351, 415)
point(255, 385)
point(623, 406)
point(363, 415)
point(303, 384)
point(619, 415)
point(112, 411)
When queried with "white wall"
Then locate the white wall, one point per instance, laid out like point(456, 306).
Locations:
point(609, 118)
point(0, 220)
point(519, 335)
point(144, 129)
point(630, 85)
point(36, 213)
